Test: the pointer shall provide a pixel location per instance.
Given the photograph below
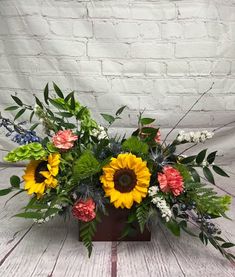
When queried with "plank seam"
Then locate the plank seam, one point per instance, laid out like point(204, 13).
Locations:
point(14, 247)
point(58, 255)
point(173, 252)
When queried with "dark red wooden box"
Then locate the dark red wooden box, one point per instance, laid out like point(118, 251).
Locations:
point(112, 226)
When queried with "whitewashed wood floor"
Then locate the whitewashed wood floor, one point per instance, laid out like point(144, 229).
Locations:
point(53, 249)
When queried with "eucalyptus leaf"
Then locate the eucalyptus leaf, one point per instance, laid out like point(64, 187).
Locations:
point(12, 108)
point(208, 174)
point(58, 91)
point(17, 100)
point(120, 110)
point(220, 171)
point(201, 156)
point(109, 118)
point(19, 114)
point(211, 157)
point(46, 94)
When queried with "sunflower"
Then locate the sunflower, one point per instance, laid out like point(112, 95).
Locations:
point(125, 180)
point(40, 175)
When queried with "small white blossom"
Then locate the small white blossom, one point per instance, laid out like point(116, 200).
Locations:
point(163, 207)
point(194, 137)
point(100, 133)
point(153, 190)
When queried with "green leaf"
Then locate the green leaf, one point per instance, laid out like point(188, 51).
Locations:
point(174, 227)
point(57, 104)
point(17, 100)
point(33, 215)
point(31, 116)
point(34, 126)
point(65, 114)
point(86, 166)
point(120, 110)
point(72, 102)
point(188, 160)
point(211, 157)
point(142, 213)
point(194, 174)
point(133, 144)
point(19, 114)
point(109, 118)
point(80, 113)
point(58, 91)
point(227, 245)
point(201, 156)
point(219, 171)
point(12, 108)
point(39, 103)
point(184, 172)
point(15, 181)
point(146, 121)
point(86, 233)
point(5, 191)
point(46, 94)
point(208, 174)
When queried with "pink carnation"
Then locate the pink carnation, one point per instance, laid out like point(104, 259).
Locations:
point(171, 181)
point(84, 210)
point(158, 137)
point(64, 139)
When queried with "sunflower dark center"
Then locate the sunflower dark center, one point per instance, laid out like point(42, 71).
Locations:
point(124, 180)
point(42, 166)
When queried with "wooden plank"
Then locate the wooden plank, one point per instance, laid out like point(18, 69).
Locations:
point(154, 258)
point(73, 259)
point(45, 249)
point(42, 240)
point(11, 229)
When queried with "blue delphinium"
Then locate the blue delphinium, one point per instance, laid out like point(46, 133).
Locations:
point(20, 135)
point(25, 138)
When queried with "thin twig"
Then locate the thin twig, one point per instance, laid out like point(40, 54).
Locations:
point(203, 94)
point(187, 149)
point(218, 128)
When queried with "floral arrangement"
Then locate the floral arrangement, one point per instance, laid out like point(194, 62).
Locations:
point(77, 168)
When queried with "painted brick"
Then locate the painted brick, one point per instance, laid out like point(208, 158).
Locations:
point(61, 27)
point(106, 10)
point(221, 68)
point(109, 50)
point(63, 48)
point(152, 50)
point(196, 49)
point(91, 84)
point(157, 11)
point(27, 46)
point(149, 30)
point(200, 68)
point(197, 10)
point(195, 30)
point(171, 30)
point(82, 28)
point(111, 67)
point(133, 68)
point(132, 85)
point(63, 10)
point(155, 69)
point(108, 30)
point(177, 68)
point(216, 30)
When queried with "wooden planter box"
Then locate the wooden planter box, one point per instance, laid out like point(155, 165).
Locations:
point(112, 226)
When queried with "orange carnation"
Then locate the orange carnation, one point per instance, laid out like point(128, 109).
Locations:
point(171, 181)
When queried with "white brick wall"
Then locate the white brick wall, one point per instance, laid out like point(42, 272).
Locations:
point(153, 54)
